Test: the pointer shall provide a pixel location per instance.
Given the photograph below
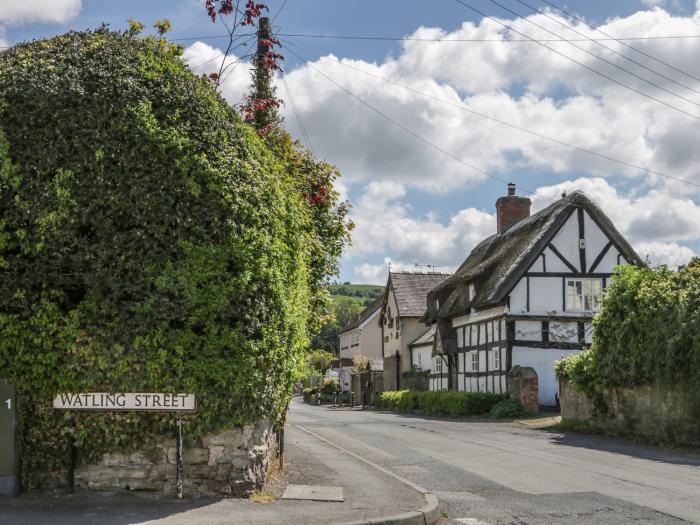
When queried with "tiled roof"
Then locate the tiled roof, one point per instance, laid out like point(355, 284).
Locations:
point(411, 291)
point(426, 338)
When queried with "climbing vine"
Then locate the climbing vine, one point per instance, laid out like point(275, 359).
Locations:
point(149, 241)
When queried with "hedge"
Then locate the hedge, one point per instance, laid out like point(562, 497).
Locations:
point(647, 332)
point(450, 404)
point(149, 241)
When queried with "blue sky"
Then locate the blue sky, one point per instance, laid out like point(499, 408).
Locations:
point(415, 204)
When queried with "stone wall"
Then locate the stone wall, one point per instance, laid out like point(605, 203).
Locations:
point(230, 463)
point(659, 413)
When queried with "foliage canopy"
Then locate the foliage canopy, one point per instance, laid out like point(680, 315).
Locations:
point(149, 241)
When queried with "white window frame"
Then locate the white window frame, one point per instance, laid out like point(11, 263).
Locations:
point(584, 294)
point(496, 359)
point(438, 364)
point(460, 337)
point(475, 361)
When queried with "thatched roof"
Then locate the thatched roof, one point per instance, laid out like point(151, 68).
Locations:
point(411, 291)
point(363, 315)
point(496, 264)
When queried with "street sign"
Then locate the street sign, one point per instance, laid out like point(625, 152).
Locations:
point(8, 440)
point(126, 401)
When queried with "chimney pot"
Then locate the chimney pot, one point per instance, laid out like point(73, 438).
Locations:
point(511, 209)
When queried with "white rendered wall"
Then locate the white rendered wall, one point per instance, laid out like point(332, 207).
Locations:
point(542, 361)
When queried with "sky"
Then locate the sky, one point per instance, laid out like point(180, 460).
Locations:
point(429, 123)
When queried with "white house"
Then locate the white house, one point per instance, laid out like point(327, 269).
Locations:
point(360, 338)
point(423, 360)
point(526, 295)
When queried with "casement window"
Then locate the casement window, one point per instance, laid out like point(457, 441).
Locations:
point(475, 362)
point(460, 337)
point(496, 359)
point(584, 294)
point(438, 364)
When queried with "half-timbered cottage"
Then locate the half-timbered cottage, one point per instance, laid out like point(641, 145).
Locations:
point(527, 295)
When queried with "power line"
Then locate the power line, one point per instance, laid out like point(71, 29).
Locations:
point(278, 12)
point(599, 73)
point(297, 114)
point(448, 40)
point(621, 41)
point(602, 59)
point(643, 66)
point(519, 128)
point(395, 123)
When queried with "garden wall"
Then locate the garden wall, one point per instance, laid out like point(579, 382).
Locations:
point(230, 463)
point(660, 413)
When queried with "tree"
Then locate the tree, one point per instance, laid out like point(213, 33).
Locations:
point(150, 240)
point(328, 230)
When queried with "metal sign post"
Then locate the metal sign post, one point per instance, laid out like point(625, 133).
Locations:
point(131, 401)
point(178, 461)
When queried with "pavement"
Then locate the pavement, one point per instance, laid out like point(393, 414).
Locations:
point(368, 494)
point(488, 473)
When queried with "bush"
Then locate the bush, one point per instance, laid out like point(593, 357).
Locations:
point(508, 409)
point(329, 386)
point(309, 394)
point(647, 332)
point(149, 241)
point(448, 404)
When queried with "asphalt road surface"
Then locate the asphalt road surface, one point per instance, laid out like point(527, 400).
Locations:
point(496, 473)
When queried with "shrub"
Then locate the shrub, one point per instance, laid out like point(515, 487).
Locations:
point(149, 241)
point(647, 332)
point(329, 386)
point(508, 409)
point(449, 404)
point(309, 394)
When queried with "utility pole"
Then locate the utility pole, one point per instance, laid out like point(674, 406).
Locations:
point(263, 90)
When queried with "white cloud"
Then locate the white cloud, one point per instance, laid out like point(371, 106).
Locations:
point(204, 59)
point(653, 223)
point(14, 12)
point(522, 83)
point(384, 224)
point(653, 216)
point(668, 253)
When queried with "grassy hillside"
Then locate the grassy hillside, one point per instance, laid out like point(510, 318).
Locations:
point(359, 294)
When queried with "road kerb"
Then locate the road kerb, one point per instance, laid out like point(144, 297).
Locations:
point(428, 514)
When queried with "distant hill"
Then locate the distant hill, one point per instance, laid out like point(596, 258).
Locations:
point(359, 294)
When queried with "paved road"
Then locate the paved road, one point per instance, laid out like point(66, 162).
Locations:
point(495, 473)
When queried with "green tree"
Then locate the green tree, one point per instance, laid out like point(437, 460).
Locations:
point(149, 241)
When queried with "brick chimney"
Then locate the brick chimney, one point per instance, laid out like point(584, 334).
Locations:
point(511, 209)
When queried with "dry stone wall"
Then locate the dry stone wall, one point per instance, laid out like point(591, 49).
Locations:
point(659, 413)
point(233, 462)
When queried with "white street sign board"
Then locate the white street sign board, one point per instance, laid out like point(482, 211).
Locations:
point(126, 401)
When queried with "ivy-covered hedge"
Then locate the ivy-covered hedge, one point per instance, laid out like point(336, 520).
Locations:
point(647, 332)
point(149, 241)
point(449, 404)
